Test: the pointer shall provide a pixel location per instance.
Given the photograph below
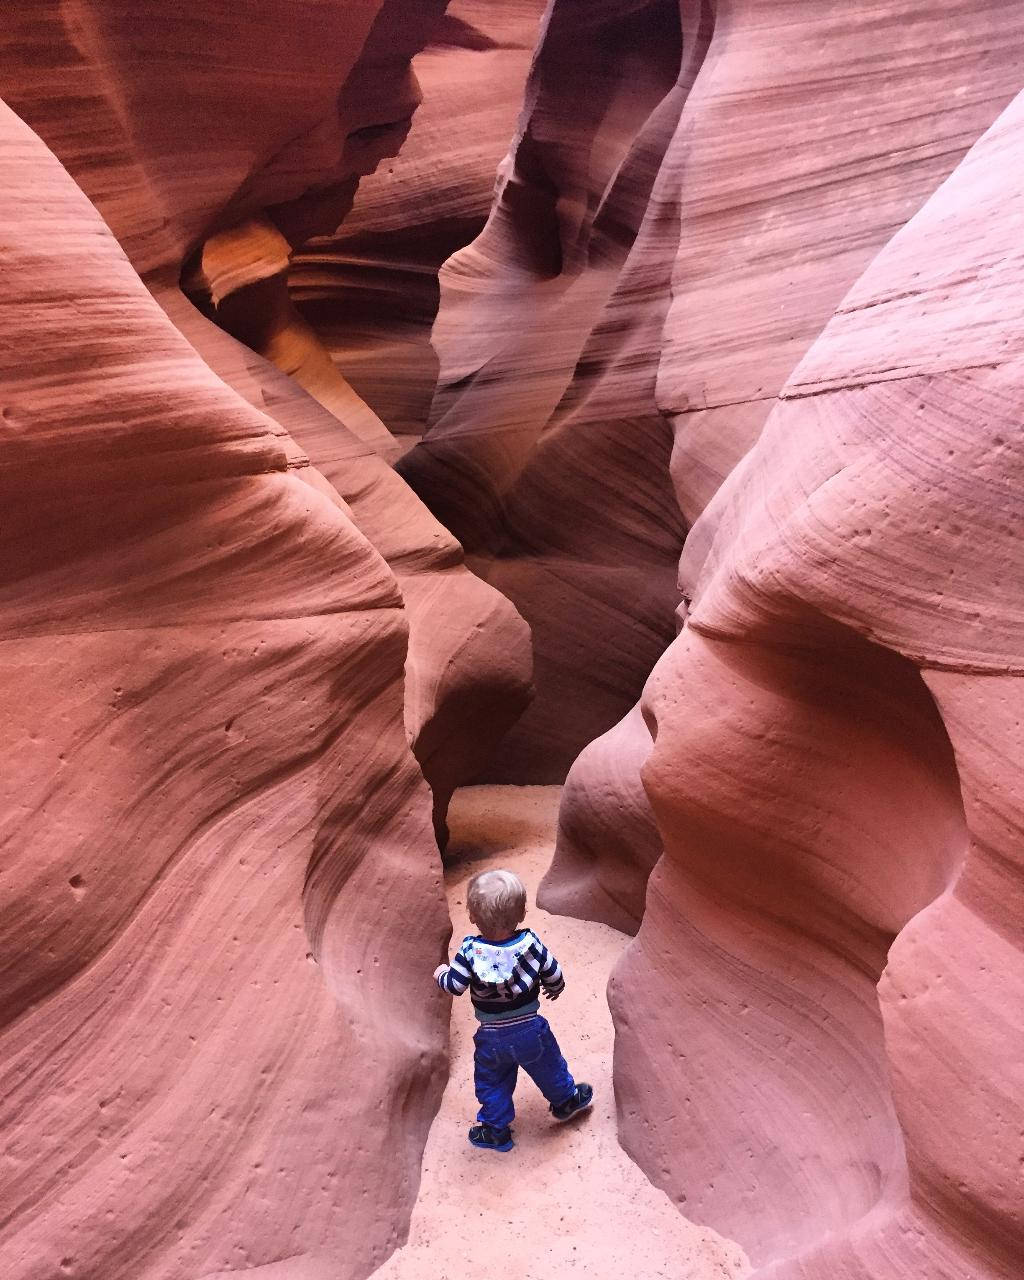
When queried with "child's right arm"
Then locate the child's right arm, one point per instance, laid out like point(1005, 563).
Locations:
point(455, 977)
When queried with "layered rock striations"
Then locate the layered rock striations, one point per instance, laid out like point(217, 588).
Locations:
point(228, 617)
point(468, 669)
point(370, 288)
point(175, 152)
point(218, 852)
point(831, 957)
point(561, 496)
point(785, 176)
point(215, 838)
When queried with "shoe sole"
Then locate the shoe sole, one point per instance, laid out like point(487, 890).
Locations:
point(490, 1146)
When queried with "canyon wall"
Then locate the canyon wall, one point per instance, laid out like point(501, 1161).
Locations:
point(370, 288)
point(785, 177)
point(561, 502)
point(218, 852)
point(821, 760)
point(833, 774)
point(205, 770)
point(729, 387)
point(174, 149)
point(666, 243)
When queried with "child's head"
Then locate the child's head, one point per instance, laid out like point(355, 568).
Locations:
point(496, 902)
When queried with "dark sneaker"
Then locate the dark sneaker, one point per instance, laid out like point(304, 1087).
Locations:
point(482, 1135)
point(580, 1101)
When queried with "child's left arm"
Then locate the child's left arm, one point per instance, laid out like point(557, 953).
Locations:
point(550, 975)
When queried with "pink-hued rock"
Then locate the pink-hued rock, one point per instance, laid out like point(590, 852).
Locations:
point(469, 667)
point(180, 121)
point(370, 289)
point(217, 847)
point(562, 497)
point(608, 841)
point(188, 1091)
point(216, 1051)
point(834, 774)
point(163, 182)
point(784, 178)
point(170, 115)
point(613, 341)
point(201, 1077)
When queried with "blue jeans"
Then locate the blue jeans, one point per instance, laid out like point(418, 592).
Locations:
point(501, 1051)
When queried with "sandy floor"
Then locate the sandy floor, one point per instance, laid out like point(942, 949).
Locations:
point(567, 1200)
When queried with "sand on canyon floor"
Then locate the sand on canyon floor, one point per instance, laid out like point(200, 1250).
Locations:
point(567, 1200)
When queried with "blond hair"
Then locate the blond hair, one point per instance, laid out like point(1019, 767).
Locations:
point(496, 902)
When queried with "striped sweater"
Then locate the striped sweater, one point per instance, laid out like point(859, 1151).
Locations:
point(503, 978)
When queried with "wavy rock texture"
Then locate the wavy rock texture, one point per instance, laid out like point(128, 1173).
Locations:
point(468, 670)
point(176, 174)
point(862, 115)
point(214, 833)
point(608, 841)
point(370, 289)
point(208, 658)
point(171, 117)
point(834, 777)
point(217, 845)
point(561, 501)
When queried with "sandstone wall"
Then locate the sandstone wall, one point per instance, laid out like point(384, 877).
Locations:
point(562, 499)
point(214, 834)
point(370, 288)
point(217, 847)
point(822, 1058)
point(179, 127)
point(786, 175)
point(833, 817)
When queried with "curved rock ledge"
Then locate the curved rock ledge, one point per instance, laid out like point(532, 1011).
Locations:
point(784, 178)
point(212, 822)
point(816, 842)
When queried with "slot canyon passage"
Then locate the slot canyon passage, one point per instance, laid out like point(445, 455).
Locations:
point(583, 436)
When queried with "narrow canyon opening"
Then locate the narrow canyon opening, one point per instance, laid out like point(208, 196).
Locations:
point(810, 809)
point(793, 884)
point(577, 436)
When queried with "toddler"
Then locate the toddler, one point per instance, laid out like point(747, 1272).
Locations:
point(504, 969)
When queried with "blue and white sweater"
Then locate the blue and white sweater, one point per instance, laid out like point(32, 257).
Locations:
point(503, 978)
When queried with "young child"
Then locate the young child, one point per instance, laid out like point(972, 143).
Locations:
point(504, 969)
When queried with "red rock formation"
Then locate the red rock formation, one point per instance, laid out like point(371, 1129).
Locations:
point(188, 1091)
point(561, 500)
point(303, 156)
point(576, 359)
point(468, 670)
point(215, 834)
point(608, 841)
point(862, 117)
point(810, 802)
point(169, 116)
point(206, 772)
point(370, 289)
